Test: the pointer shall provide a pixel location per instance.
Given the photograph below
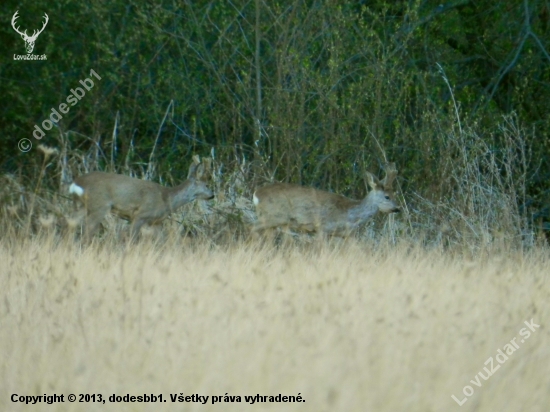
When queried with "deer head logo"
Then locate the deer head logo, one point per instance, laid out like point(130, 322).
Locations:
point(29, 40)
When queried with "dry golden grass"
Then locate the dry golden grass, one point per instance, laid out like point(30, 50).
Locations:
point(347, 327)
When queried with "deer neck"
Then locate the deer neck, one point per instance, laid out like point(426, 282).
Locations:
point(179, 195)
point(363, 211)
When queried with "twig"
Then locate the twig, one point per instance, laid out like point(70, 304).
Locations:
point(149, 173)
point(527, 32)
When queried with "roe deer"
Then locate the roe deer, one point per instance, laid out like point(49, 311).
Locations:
point(309, 209)
point(139, 201)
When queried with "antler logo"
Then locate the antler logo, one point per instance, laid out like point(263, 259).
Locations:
point(29, 40)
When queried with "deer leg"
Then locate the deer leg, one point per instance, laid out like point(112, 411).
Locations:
point(93, 220)
point(136, 228)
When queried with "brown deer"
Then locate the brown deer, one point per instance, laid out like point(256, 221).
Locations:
point(309, 209)
point(139, 201)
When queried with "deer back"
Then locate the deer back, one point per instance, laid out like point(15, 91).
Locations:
point(124, 194)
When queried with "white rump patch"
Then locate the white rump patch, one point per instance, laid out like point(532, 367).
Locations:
point(255, 199)
point(75, 189)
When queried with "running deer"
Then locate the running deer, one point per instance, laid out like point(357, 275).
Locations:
point(139, 201)
point(309, 209)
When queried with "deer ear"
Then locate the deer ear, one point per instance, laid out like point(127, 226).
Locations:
point(201, 172)
point(373, 181)
point(391, 174)
point(205, 169)
point(193, 168)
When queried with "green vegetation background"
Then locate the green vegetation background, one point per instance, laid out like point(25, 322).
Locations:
point(314, 92)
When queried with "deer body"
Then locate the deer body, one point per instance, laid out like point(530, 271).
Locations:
point(312, 210)
point(139, 201)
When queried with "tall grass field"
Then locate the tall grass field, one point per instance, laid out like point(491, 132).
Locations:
point(442, 307)
point(339, 326)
